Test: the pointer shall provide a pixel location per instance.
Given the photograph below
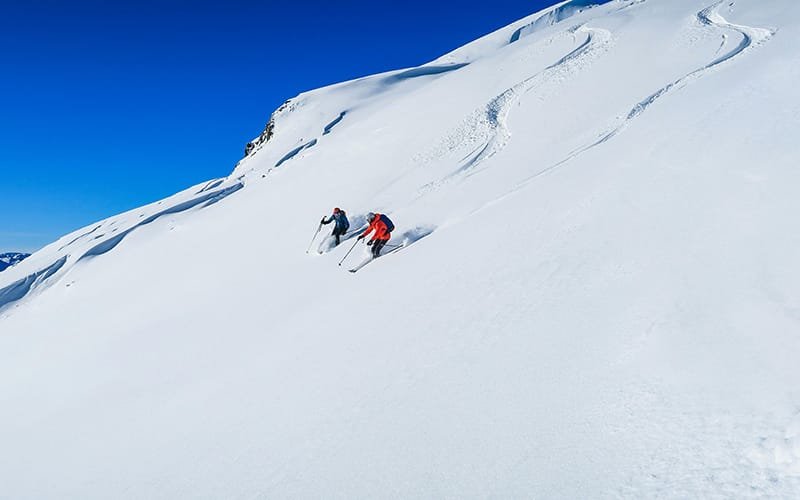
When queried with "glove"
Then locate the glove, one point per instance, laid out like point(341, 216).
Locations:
point(361, 237)
point(322, 221)
point(370, 242)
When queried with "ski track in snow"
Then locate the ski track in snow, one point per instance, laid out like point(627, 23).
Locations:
point(709, 17)
point(752, 37)
point(488, 126)
point(499, 108)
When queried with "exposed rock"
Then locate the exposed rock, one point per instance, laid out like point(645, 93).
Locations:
point(269, 130)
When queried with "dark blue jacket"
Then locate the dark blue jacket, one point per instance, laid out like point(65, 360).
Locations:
point(342, 224)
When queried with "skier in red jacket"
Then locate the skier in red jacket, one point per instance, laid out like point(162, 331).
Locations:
point(382, 227)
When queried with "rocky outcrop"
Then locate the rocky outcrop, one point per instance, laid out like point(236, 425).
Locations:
point(269, 130)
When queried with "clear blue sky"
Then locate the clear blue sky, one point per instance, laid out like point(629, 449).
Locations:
point(105, 106)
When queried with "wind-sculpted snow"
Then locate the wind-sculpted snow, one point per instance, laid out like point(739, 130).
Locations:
point(432, 70)
point(291, 154)
point(20, 288)
point(83, 235)
point(329, 127)
point(554, 16)
point(207, 199)
point(211, 185)
point(76, 250)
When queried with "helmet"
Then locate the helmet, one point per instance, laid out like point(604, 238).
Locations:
point(336, 210)
point(370, 217)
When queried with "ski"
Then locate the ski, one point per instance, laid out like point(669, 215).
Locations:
point(362, 264)
point(370, 259)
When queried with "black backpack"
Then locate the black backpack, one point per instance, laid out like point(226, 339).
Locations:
point(388, 222)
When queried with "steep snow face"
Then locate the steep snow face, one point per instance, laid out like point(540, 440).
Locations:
point(597, 295)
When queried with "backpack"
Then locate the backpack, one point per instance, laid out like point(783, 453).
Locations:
point(342, 221)
point(388, 222)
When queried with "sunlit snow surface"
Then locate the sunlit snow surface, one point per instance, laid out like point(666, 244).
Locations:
point(597, 296)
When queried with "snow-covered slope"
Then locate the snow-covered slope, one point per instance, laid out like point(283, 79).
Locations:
point(599, 293)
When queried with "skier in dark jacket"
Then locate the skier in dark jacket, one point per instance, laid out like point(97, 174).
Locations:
point(341, 226)
point(383, 228)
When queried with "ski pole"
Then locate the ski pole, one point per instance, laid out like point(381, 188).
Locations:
point(348, 252)
point(314, 237)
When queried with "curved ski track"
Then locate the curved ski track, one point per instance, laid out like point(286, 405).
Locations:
point(751, 37)
point(499, 108)
point(488, 125)
point(710, 17)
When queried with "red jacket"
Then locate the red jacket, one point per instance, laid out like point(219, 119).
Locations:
point(381, 231)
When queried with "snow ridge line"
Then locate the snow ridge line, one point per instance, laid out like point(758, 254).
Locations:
point(21, 288)
point(488, 125)
point(751, 38)
point(557, 14)
point(79, 237)
point(205, 200)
